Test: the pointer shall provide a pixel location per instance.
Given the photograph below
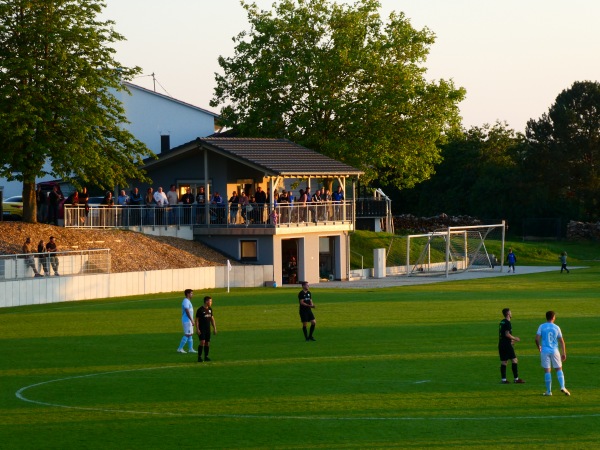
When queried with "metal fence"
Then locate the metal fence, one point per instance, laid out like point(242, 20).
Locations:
point(64, 263)
point(226, 215)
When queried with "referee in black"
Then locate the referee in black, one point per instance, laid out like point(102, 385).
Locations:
point(204, 319)
point(306, 314)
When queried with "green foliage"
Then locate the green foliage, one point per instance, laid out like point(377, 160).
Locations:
point(419, 369)
point(57, 75)
point(564, 150)
point(339, 80)
point(478, 165)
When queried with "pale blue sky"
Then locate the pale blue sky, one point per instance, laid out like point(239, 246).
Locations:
point(513, 56)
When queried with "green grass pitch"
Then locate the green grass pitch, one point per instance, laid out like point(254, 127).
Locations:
point(408, 367)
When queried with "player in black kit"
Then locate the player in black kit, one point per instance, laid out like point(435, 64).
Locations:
point(306, 314)
point(204, 319)
point(506, 349)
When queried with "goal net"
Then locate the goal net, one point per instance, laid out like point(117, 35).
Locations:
point(456, 249)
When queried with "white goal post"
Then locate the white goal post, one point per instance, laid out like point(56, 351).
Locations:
point(456, 249)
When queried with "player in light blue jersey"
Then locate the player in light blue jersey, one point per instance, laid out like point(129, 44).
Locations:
point(548, 339)
point(187, 320)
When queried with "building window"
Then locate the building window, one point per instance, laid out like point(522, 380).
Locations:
point(249, 250)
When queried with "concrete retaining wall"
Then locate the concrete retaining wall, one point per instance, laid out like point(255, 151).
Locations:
point(35, 291)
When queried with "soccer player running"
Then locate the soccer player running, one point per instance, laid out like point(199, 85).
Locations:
point(187, 320)
point(547, 339)
point(306, 314)
point(506, 348)
point(204, 320)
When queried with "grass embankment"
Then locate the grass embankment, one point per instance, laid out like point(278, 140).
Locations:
point(538, 253)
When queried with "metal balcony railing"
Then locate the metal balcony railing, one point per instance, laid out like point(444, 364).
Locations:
point(226, 215)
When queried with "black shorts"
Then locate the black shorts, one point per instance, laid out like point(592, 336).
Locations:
point(204, 335)
point(306, 315)
point(506, 351)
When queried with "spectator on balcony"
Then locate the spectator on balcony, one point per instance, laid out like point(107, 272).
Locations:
point(318, 208)
point(261, 199)
point(29, 259)
point(201, 202)
point(160, 198)
point(326, 196)
point(123, 198)
point(173, 200)
point(73, 216)
point(108, 199)
point(187, 200)
point(106, 214)
point(244, 205)
point(135, 201)
point(284, 207)
point(217, 210)
point(84, 199)
point(338, 198)
point(149, 203)
point(51, 248)
point(123, 201)
point(234, 202)
point(301, 204)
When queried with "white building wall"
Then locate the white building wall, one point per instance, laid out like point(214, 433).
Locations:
point(151, 115)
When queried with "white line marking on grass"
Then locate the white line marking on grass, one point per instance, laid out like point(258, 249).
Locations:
point(19, 394)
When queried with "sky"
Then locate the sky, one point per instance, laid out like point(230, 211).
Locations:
point(513, 57)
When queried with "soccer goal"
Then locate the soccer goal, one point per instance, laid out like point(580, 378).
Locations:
point(456, 249)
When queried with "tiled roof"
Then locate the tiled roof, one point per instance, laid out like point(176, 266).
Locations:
point(279, 157)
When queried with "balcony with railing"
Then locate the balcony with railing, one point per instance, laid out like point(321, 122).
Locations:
point(254, 216)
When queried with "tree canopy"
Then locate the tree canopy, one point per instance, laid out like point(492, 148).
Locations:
point(340, 80)
point(57, 79)
point(564, 150)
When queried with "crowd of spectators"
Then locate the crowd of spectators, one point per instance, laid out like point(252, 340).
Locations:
point(242, 208)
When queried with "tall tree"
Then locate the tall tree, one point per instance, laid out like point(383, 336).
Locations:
point(57, 79)
point(479, 176)
point(339, 80)
point(564, 151)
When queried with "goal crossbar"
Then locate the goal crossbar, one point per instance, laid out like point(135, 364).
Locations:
point(455, 249)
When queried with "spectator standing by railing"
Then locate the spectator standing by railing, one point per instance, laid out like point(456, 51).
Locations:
point(338, 198)
point(187, 200)
point(244, 204)
point(84, 199)
point(123, 202)
point(149, 201)
point(328, 208)
point(217, 208)
point(160, 198)
point(173, 200)
point(41, 203)
point(106, 217)
point(234, 202)
point(54, 198)
point(282, 200)
point(261, 199)
point(302, 206)
point(29, 259)
point(51, 248)
point(42, 263)
point(135, 201)
point(201, 202)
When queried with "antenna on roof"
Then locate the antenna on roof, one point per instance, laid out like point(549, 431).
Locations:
point(154, 81)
